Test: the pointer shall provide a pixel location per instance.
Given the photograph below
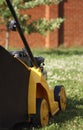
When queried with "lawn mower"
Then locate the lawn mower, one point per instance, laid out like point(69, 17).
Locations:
point(24, 92)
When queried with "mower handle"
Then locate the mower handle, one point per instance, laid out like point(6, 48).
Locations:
point(21, 33)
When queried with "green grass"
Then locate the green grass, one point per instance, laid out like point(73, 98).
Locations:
point(65, 66)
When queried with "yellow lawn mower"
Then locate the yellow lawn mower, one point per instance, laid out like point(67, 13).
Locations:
point(24, 92)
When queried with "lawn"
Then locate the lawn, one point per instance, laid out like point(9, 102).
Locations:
point(65, 67)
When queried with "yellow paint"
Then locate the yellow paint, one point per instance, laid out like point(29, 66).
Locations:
point(63, 99)
point(44, 113)
point(38, 88)
point(36, 78)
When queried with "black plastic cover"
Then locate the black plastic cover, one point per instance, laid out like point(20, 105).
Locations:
point(14, 79)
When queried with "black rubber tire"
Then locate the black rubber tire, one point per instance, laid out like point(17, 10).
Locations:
point(59, 97)
point(36, 119)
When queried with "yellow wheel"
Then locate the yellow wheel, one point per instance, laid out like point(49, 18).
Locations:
point(42, 113)
point(60, 96)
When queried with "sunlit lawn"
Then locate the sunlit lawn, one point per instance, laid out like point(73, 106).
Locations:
point(65, 67)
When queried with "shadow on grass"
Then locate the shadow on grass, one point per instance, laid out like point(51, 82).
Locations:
point(63, 51)
point(74, 109)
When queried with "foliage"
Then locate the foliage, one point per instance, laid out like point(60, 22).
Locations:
point(33, 3)
point(41, 25)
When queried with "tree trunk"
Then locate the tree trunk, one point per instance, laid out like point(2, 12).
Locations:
point(7, 39)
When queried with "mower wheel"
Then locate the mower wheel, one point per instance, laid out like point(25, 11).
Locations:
point(42, 113)
point(60, 96)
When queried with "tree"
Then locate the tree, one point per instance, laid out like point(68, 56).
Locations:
point(41, 25)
